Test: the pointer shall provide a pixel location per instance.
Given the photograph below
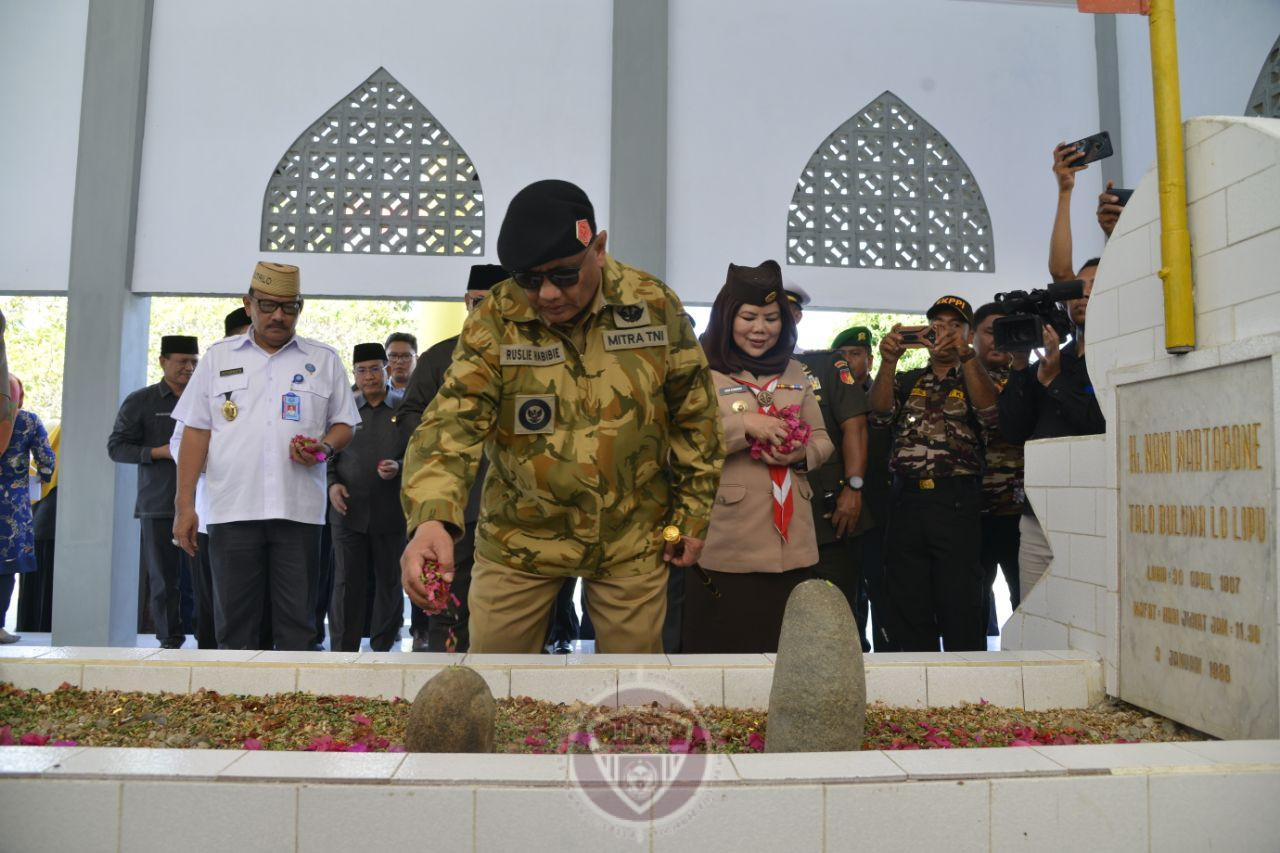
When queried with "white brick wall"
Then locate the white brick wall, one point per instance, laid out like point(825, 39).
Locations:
point(1233, 185)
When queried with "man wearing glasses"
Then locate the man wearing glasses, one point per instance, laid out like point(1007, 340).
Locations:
point(365, 516)
point(581, 381)
point(402, 357)
point(246, 402)
point(447, 631)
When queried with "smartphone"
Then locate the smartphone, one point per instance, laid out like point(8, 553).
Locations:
point(918, 337)
point(1093, 148)
point(1121, 194)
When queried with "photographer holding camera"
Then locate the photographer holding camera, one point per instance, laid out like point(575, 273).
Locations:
point(939, 415)
point(1053, 397)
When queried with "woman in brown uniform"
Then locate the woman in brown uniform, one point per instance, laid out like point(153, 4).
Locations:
point(761, 542)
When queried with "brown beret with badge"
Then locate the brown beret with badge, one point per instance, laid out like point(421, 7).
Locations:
point(761, 285)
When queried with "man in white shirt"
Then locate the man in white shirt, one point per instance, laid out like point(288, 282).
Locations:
point(266, 498)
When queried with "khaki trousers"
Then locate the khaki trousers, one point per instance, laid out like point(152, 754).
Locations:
point(511, 608)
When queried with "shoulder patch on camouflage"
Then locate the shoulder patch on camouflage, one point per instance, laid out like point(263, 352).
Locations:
point(630, 316)
point(535, 414)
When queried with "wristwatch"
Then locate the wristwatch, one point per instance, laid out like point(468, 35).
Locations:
point(854, 483)
point(328, 449)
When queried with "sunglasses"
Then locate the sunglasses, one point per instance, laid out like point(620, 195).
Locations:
point(561, 277)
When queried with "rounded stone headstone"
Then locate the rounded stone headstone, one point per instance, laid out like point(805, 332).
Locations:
point(818, 702)
point(453, 712)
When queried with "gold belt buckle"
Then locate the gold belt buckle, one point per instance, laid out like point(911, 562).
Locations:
point(926, 483)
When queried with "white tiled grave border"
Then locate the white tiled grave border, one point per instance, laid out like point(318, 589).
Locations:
point(1125, 797)
point(1034, 680)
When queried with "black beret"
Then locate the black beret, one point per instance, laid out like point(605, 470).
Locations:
point(485, 276)
point(179, 345)
point(237, 319)
point(760, 285)
point(545, 221)
point(368, 352)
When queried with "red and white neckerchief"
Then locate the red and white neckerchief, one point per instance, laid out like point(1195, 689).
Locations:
point(783, 502)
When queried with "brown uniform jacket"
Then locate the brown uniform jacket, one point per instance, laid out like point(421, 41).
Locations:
point(742, 537)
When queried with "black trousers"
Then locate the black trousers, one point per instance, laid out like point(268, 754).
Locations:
point(673, 626)
point(202, 583)
point(564, 625)
point(324, 585)
point(35, 596)
point(999, 549)
point(163, 562)
point(840, 562)
point(933, 577)
point(737, 612)
point(873, 586)
point(455, 617)
point(355, 554)
point(278, 557)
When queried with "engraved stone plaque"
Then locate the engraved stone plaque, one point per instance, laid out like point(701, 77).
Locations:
point(1197, 549)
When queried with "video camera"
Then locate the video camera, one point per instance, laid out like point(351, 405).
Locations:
point(1022, 327)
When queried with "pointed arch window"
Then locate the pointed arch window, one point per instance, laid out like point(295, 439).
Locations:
point(1264, 100)
point(379, 174)
point(886, 190)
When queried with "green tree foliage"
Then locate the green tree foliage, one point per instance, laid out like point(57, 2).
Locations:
point(819, 328)
point(341, 323)
point(35, 339)
point(37, 333)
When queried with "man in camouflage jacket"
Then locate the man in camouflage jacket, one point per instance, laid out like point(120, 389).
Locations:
point(939, 416)
point(582, 383)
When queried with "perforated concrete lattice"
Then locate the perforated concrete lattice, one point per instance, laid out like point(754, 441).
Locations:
point(1265, 98)
point(887, 190)
point(377, 173)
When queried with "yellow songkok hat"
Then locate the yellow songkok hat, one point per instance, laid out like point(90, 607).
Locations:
point(279, 280)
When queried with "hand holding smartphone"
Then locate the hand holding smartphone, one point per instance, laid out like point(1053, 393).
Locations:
point(1093, 148)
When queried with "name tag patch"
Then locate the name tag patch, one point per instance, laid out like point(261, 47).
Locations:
point(649, 336)
point(535, 414)
point(534, 356)
point(630, 316)
point(231, 371)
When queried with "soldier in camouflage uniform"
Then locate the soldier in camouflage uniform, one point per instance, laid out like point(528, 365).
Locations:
point(582, 383)
point(1003, 497)
point(939, 415)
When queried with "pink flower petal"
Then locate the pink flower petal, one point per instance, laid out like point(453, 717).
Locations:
point(252, 743)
